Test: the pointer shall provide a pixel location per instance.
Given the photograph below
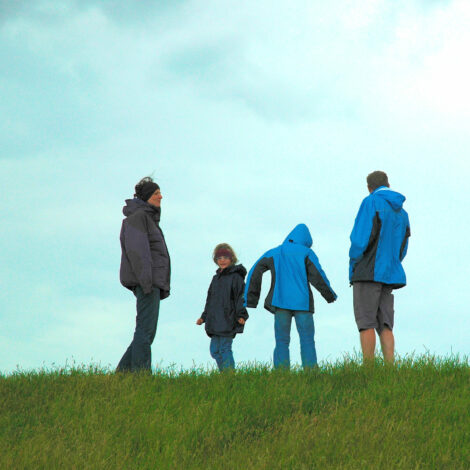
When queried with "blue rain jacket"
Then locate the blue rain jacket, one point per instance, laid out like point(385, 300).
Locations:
point(293, 266)
point(379, 239)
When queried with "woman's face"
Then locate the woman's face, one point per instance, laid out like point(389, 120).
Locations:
point(156, 198)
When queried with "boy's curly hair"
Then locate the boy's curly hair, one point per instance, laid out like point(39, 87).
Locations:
point(225, 246)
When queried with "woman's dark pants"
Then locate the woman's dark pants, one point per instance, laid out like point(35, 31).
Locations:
point(138, 355)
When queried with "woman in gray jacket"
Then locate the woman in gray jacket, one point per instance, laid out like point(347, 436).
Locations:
point(145, 269)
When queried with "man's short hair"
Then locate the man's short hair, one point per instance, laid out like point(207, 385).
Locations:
point(377, 179)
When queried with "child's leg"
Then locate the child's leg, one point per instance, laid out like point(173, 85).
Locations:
point(282, 323)
point(214, 349)
point(226, 353)
point(306, 329)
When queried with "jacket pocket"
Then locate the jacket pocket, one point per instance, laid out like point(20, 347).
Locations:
point(159, 264)
point(229, 315)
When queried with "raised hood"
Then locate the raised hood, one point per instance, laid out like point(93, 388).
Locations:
point(300, 235)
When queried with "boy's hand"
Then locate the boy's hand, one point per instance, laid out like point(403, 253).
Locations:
point(199, 321)
point(241, 321)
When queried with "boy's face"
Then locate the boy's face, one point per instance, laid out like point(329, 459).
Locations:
point(223, 262)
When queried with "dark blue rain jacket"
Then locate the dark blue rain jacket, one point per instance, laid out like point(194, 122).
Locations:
point(379, 239)
point(224, 304)
point(293, 265)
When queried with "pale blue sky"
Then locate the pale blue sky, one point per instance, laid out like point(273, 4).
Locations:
point(253, 116)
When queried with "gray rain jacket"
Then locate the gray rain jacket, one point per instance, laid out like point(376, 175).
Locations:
point(145, 260)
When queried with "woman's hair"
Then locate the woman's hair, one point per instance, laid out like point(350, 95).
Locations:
point(224, 246)
point(140, 185)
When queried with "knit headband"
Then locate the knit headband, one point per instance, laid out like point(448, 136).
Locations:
point(223, 252)
point(147, 190)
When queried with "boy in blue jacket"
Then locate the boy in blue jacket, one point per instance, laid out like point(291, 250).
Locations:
point(379, 242)
point(293, 266)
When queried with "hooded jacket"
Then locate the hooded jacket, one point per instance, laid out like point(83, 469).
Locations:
point(145, 260)
point(379, 239)
point(224, 304)
point(293, 266)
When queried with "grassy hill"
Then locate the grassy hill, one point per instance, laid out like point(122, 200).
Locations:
point(414, 415)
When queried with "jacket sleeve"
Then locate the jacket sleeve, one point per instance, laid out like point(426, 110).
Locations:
point(318, 279)
point(361, 231)
point(404, 245)
point(209, 293)
point(253, 282)
point(238, 287)
point(137, 248)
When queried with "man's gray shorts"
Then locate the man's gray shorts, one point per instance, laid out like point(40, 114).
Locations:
point(373, 306)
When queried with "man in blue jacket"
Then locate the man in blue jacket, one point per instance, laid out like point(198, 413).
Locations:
point(293, 265)
point(379, 242)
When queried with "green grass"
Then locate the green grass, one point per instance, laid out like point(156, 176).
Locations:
point(414, 415)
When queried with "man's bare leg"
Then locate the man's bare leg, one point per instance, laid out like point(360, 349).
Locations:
point(368, 344)
point(387, 341)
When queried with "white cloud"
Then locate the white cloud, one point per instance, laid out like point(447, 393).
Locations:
point(423, 74)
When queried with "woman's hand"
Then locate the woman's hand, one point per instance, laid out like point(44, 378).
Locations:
point(199, 321)
point(241, 321)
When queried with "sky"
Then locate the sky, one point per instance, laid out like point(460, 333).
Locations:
point(252, 117)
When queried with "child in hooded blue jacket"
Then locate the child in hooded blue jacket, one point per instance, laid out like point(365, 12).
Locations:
point(224, 314)
point(293, 266)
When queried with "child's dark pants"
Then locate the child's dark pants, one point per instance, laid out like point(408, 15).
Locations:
point(221, 351)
